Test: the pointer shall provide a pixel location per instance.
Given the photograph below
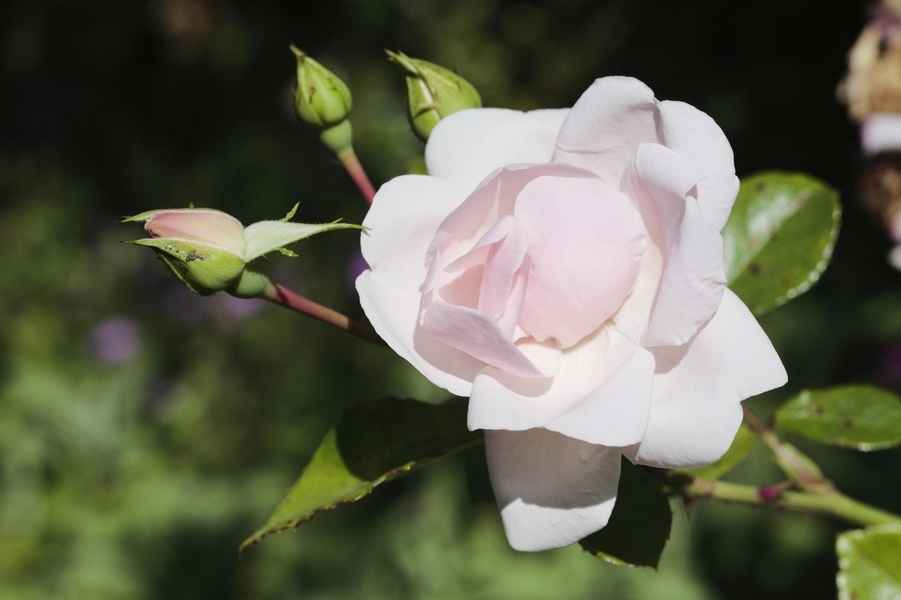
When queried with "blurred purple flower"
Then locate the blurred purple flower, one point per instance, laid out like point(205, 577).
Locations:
point(115, 340)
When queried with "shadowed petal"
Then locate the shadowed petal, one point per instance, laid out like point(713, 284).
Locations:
point(552, 490)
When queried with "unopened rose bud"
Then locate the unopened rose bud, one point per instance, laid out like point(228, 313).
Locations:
point(204, 248)
point(323, 100)
point(433, 92)
point(208, 249)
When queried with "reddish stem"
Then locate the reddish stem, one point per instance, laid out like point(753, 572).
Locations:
point(353, 167)
point(282, 296)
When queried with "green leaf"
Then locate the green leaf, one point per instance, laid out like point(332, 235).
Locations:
point(869, 563)
point(266, 236)
point(374, 442)
point(741, 445)
point(779, 237)
point(639, 525)
point(859, 416)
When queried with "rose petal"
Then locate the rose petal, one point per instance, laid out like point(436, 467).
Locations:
point(694, 277)
point(477, 335)
point(467, 146)
point(617, 413)
point(403, 219)
point(606, 126)
point(880, 132)
point(498, 257)
point(506, 274)
point(698, 389)
point(552, 490)
point(617, 114)
point(402, 222)
point(692, 285)
point(585, 245)
point(604, 375)
point(696, 136)
point(494, 198)
point(393, 312)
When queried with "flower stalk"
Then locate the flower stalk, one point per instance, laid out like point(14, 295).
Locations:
point(279, 294)
point(323, 101)
point(794, 463)
point(351, 164)
point(832, 503)
point(816, 493)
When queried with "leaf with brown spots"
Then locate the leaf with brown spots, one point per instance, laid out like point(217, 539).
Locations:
point(779, 237)
point(861, 417)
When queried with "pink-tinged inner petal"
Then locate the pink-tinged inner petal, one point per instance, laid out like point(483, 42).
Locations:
point(585, 245)
point(551, 490)
point(476, 334)
point(206, 226)
point(491, 277)
point(491, 200)
point(698, 388)
point(505, 272)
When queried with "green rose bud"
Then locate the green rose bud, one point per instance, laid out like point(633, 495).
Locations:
point(323, 100)
point(433, 92)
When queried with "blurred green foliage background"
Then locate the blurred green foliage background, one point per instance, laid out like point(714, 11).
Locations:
point(144, 432)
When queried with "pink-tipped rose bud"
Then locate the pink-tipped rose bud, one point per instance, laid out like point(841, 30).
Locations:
point(203, 247)
point(208, 249)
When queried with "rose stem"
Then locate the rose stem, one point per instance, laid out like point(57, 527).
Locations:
point(818, 493)
point(353, 167)
point(282, 296)
point(792, 461)
point(832, 503)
